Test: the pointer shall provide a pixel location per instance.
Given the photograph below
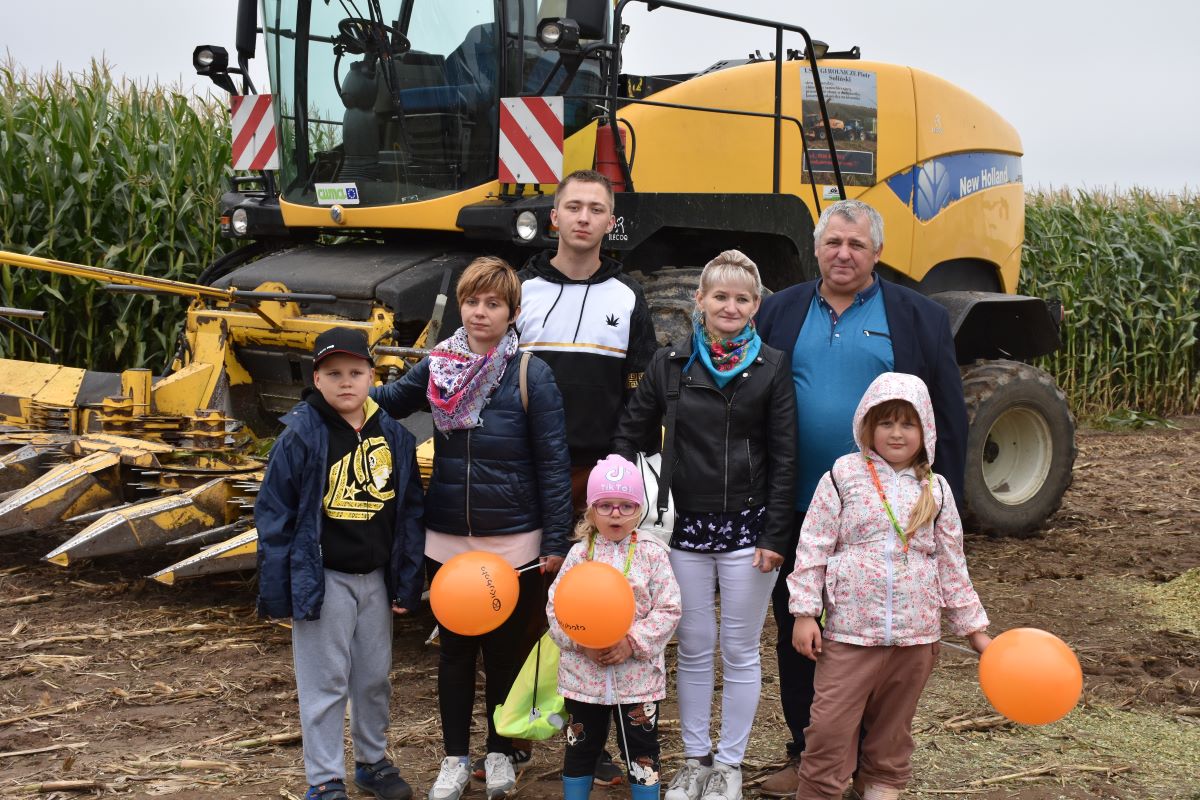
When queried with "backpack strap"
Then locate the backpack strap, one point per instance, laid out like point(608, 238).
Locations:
point(674, 377)
point(523, 380)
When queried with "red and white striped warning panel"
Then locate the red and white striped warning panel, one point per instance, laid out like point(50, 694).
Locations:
point(253, 120)
point(531, 139)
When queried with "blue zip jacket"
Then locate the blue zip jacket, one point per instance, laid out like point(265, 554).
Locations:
point(511, 474)
point(922, 345)
point(288, 514)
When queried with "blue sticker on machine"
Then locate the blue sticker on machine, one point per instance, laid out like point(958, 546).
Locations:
point(935, 184)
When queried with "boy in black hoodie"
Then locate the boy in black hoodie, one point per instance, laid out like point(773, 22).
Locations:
point(590, 322)
point(340, 539)
point(587, 319)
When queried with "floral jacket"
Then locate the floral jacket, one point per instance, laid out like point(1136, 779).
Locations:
point(850, 562)
point(643, 677)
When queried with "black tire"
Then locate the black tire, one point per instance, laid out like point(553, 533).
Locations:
point(1020, 447)
point(671, 295)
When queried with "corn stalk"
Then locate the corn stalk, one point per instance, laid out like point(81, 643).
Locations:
point(116, 175)
point(1127, 267)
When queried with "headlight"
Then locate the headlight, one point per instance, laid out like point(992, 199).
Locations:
point(240, 222)
point(550, 33)
point(527, 225)
point(209, 59)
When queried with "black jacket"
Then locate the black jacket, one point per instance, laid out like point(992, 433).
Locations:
point(922, 345)
point(734, 448)
point(597, 336)
point(509, 475)
point(289, 517)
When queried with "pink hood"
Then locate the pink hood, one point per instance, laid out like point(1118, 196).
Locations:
point(899, 386)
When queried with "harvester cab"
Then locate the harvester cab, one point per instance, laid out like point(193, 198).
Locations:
point(401, 105)
point(370, 176)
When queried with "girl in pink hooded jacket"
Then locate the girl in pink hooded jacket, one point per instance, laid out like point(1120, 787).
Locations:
point(623, 683)
point(881, 553)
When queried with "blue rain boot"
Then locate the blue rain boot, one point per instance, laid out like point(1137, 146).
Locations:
point(577, 788)
point(640, 792)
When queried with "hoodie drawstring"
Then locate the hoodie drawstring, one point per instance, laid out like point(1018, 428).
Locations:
point(587, 288)
point(561, 286)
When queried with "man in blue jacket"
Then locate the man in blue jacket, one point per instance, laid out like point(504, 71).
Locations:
point(840, 332)
point(340, 540)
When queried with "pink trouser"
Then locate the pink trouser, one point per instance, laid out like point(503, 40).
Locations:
point(875, 689)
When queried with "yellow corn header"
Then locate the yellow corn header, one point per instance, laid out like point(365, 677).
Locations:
point(141, 461)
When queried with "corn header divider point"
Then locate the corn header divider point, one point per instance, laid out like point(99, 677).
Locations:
point(136, 466)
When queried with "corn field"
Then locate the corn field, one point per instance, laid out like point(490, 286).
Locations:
point(112, 175)
point(128, 177)
point(1127, 268)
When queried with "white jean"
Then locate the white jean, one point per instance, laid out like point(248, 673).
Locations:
point(745, 595)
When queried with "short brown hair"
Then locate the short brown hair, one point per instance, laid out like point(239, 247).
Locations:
point(490, 274)
point(586, 176)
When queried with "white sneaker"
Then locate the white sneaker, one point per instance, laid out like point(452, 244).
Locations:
point(724, 783)
point(451, 780)
point(689, 781)
point(499, 777)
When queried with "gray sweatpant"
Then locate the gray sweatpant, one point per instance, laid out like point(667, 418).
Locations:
point(344, 655)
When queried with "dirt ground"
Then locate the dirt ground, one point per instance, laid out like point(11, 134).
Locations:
point(127, 688)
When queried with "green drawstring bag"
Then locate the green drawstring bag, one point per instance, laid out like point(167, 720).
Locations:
point(534, 708)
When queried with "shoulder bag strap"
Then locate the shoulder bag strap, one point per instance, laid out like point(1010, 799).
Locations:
point(523, 380)
point(674, 376)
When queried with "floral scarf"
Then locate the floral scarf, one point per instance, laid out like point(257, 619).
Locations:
point(460, 381)
point(723, 357)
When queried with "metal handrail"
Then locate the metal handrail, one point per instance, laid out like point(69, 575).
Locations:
point(778, 116)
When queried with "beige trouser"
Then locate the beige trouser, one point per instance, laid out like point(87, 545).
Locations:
point(874, 689)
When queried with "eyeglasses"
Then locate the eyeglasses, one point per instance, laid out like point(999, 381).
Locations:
point(606, 508)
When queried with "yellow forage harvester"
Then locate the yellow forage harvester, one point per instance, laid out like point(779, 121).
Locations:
point(381, 180)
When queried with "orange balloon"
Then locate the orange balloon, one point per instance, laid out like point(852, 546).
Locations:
point(594, 604)
point(1030, 676)
point(473, 593)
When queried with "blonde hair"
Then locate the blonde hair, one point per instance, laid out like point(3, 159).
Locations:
point(585, 528)
point(731, 266)
point(490, 274)
point(903, 411)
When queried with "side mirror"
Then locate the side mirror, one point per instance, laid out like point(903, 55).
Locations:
point(590, 15)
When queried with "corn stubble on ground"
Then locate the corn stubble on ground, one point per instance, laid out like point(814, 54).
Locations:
point(114, 686)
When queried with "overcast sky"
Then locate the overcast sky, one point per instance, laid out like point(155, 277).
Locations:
point(1103, 94)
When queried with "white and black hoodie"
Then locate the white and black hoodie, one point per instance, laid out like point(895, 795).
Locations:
point(597, 336)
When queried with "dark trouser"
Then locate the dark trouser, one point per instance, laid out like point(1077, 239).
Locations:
point(504, 651)
point(579, 479)
point(795, 671)
point(637, 734)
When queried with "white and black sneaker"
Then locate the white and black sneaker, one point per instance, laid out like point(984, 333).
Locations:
point(452, 779)
point(499, 777)
point(478, 766)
